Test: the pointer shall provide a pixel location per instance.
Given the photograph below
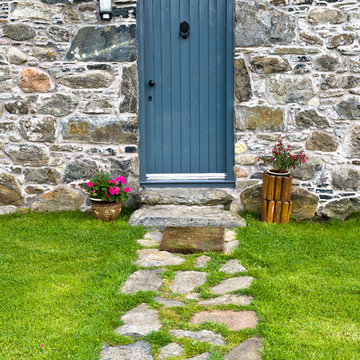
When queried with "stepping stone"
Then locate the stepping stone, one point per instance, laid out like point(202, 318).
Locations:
point(232, 267)
point(234, 320)
point(168, 302)
point(230, 246)
point(201, 336)
point(204, 356)
point(161, 216)
point(228, 299)
point(154, 235)
point(232, 284)
point(193, 296)
point(230, 235)
point(139, 350)
point(172, 349)
point(139, 322)
point(148, 243)
point(201, 261)
point(154, 257)
point(186, 281)
point(248, 350)
point(191, 240)
point(143, 280)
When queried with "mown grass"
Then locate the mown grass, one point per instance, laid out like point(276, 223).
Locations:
point(60, 276)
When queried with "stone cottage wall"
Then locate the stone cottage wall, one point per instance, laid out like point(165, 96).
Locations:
point(68, 97)
point(297, 66)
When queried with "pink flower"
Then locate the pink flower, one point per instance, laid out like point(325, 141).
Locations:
point(127, 189)
point(112, 182)
point(107, 196)
point(94, 191)
point(121, 179)
point(90, 184)
point(303, 160)
point(114, 190)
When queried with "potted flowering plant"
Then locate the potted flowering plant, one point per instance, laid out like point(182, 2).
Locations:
point(106, 195)
point(276, 202)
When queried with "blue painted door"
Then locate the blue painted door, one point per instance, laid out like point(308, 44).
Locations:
point(186, 92)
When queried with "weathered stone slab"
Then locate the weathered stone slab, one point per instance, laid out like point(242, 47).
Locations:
point(204, 356)
point(96, 129)
point(38, 129)
point(104, 43)
point(355, 142)
point(234, 320)
point(18, 32)
point(186, 281)
point(154, 235)
point(90, 80)
point(259, 118)
point(341, 209)
point(172, 349)
point(232, 267)
point(148, 243)
point(183, 196)
point(201, 336)
point(60, 199)
point(28, 155)
point(248, 350)
point(193, 296)
point(202, 261)
point(168, 302)
point(58, 105)
point(230, 235)
point(311, 119)
point(230, 246)
point(78, 169)
point(17, 107)
point(322, 141)
point(308, 170)
point(139, 322)
point(322, 15)
point(242, 81)
point(327, 63)
point(10, 192)
point(227, 299)
point(139, 350)
point(42, 175)
point(269, 65)
point(232, 284)
point(33, 10)
point(304, 202)
point(33, 80)
point(346, 178)
point(257, 24)
point(349, 108)
point(129, 89)
point(154, 257)
point(143, 280)
point(15, 56)
point(177, 215)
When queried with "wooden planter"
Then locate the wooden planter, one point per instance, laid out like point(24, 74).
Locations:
point(276, 203)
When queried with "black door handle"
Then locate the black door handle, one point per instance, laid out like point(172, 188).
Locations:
point(151, 83)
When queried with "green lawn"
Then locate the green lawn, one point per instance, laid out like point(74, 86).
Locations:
point(60, 276)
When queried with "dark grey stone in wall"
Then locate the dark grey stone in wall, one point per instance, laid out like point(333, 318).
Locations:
point(104, 43)
point(18, 32)
point(129, 89)
point(257, 24)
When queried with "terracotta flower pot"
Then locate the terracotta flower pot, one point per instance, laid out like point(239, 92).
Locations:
point(104, 210)
point(276, 203)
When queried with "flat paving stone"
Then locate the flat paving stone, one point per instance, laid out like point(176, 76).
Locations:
point(139, 322)
point(232, 267)
point(148, 243)
point(139, 350)
point(154, 257)
point(234, 320)
point(227, 299)
point(154, 235)
point(168, 302)
point(230, 246)
point(172, 349)
point(201, 336)
point(204, 356)
point(232, 284)
point(247, 350)
point(230, 235)
point(143, 280)
point(193, 296)
point(202, 261)
point(162, 216)
point(186, 281)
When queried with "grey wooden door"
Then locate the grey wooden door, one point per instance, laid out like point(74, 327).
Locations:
point(186, 92)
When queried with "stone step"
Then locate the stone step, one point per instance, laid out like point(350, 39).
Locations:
point(161, 216)
point(184, 196)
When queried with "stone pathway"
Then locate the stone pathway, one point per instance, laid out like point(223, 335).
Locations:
point(180, 292)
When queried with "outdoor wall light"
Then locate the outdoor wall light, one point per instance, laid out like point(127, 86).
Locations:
point(105, 9)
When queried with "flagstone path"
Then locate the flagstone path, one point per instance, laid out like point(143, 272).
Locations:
point(180, 291)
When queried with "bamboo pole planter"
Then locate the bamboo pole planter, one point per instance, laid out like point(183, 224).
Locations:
point(276, 202)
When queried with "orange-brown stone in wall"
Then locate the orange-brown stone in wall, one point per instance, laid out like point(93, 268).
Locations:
point(33, 80)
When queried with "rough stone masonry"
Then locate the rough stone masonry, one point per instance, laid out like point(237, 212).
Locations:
point(69, 97)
